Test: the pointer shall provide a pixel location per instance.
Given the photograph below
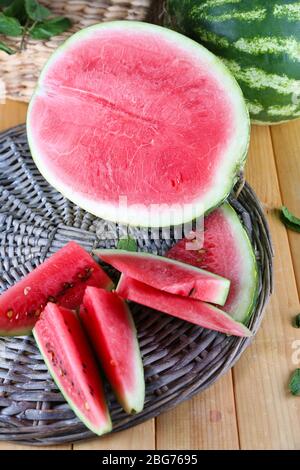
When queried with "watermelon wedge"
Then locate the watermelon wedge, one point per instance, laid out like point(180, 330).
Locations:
point(168, 275)
point(70, 361)
point(109, 324)
point(62, 279)
point(191, 310)
point(227, 251)
point(138, 124)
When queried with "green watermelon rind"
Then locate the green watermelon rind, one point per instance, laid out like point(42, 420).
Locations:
point(78, 413)
point(253, 278)
point(236, 153)
point(262, 52)
point(134, 403)
point(220, 300)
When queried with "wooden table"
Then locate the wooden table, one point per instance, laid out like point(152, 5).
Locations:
point(250, 408)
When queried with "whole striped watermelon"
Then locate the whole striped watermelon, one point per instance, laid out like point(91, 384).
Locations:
point(259, 41)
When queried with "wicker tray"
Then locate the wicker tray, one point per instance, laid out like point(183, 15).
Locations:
point(180, 359)
point(20, 72)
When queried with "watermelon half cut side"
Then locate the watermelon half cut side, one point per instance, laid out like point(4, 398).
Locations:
point(227, 251)
point(109, 324)
point(138, 124)
point(70, 361)
point(168, 275)
point(191, 310)
point(61, 279)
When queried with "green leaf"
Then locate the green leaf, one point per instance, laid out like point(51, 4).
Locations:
point(10, 26)
point(127, 244)
point(17, 10)
point(294, 384)
point(5, 3)
point(36, 11)
point(5, 48)
point(296, 321)
point(53, 27)
point(290, 220)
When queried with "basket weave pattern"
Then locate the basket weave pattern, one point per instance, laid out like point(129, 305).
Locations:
point(20, 72)
point(180, 359)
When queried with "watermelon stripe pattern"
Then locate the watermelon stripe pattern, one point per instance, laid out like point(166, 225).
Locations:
point(258, 41)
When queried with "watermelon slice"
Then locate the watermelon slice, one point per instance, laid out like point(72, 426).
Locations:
point(191, 310)
point(70, 361)
point(110, 326)
point(168, 275)
point(227, 251)
point(62, 278)
point(138, 124)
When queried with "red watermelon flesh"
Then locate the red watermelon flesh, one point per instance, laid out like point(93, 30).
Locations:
point(109, 324)
point(70, 361)
point(191, 310)
point(168, 275)
point(227, 251)
point(128, 109)
point(62, 278)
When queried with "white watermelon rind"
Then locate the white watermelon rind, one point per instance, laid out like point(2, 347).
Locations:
point(98, 431)
point(233, 159)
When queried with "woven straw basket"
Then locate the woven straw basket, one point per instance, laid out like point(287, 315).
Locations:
point(20, 72)
point(180, 359)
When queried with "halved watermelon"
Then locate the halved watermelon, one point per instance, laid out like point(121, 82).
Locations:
point(227, 251)
point(62, 279)
point(70, 361)
point(138, 124)
point(168, 275)
point(109, 324)
point(191, 310)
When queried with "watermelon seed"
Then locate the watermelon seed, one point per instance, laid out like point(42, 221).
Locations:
point(87, 406)
point(37, 313)
point(62, 372)
point(27, 290)
point(10, 314)
point(52, 299)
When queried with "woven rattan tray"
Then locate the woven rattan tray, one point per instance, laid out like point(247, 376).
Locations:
point(180, 359)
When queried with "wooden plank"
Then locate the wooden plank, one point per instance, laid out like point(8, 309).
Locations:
point(12, 446)
point(12, 114)
point(286, 144)
point(268, 416)
point(141, 437)
point(208, 421)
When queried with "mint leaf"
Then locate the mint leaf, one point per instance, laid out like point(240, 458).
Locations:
point(296, 321)
point(36, 11)
point(5, 48)
point(10, 26)
point(290, 220)
point(49, 28)
point(294, 384)
point(127, 244)
point(16, 10)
